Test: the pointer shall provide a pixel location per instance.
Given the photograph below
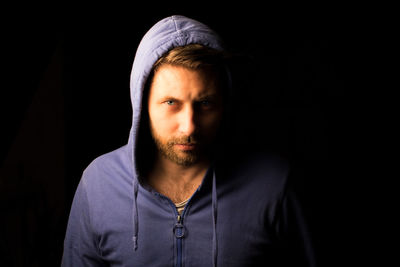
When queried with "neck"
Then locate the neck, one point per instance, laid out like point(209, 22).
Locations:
point(179, 173)
point(176, 181)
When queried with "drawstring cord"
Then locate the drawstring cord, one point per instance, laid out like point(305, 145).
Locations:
point(135, 215)
point(214, 216)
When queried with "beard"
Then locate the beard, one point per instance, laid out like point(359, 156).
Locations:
point(181, 157)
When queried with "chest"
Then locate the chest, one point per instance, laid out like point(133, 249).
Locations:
point(176, 191)
point(168, 240)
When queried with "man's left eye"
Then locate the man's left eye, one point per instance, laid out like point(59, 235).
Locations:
point(205, 103)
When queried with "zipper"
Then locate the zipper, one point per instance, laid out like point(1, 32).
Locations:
point(179, 229)
point(179, 234)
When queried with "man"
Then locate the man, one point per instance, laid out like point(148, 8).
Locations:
point(171, 196)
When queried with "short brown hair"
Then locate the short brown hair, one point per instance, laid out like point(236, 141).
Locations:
point(192, 56)
point(196, 57)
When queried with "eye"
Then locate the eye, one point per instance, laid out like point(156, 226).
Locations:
point(205, 103)
point(170, 102)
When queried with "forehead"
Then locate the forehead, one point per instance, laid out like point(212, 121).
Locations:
point(171, 79)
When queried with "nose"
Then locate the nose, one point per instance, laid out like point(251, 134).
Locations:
point(187, 124)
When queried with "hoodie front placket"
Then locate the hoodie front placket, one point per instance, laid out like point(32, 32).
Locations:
point(178, 229)
point(179, 232)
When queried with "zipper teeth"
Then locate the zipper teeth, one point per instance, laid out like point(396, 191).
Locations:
point(179, 252)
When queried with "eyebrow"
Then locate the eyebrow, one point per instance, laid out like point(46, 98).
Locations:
point(201, 97)
point(208, 96)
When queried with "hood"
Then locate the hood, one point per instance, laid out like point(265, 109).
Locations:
point(166, 34)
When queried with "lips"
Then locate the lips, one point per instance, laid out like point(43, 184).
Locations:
point(190, 146)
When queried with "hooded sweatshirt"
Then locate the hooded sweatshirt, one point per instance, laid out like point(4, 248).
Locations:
point(242, 214)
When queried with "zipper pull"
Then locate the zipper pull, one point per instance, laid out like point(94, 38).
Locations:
point(179, 229)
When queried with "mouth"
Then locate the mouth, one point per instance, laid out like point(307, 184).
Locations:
point(186, 147)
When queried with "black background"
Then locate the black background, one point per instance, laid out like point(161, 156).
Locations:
point(65, 100)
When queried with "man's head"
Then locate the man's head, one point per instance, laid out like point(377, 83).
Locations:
point(185, 103)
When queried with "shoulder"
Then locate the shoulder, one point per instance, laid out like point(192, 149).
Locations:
point(108, 168)
point(104, 185)
point(264, 164)
point(259, 171)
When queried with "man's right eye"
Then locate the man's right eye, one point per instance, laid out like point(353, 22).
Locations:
point(170, 102)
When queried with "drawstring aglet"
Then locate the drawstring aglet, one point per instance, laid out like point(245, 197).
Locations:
point(135, 243)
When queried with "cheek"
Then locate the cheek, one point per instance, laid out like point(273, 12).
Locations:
point(212, 122)
point(161, 123)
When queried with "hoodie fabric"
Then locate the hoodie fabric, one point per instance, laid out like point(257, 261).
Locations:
point(243, 213)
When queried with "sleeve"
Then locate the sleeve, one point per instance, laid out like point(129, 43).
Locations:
point(81, 243)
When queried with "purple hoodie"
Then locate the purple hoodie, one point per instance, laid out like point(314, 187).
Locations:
point(243, 213)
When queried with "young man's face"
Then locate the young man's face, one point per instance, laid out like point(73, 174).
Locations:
point(185, 110)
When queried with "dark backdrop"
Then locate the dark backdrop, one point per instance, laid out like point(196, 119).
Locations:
point(65, 100)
